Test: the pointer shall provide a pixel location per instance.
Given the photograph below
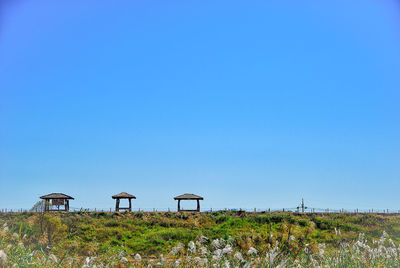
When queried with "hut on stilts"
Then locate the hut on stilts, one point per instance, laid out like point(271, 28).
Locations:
point(120, 196)
point(189, 197)
point(56, 202)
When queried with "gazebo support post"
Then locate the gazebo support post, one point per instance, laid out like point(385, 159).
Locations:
point(46, 204)
point(198, 205)
point(117, 205)
point(179, 205)
point(130, 204)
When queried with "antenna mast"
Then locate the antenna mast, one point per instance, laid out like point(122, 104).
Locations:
point(302, 206)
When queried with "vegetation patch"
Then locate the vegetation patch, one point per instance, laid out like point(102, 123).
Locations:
point(105, 235)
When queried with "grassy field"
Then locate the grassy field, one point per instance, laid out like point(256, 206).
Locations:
point(140, 237)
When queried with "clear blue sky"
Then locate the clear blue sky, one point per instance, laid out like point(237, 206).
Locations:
point(247, 103)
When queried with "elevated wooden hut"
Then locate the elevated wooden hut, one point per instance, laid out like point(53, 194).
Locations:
point(120, 196)
point(188, 197)
point(56, 202)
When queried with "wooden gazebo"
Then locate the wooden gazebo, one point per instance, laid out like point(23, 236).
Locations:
point(120, 196)
point(56, 200)
point(188, 197)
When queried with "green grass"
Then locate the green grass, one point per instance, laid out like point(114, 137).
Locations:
point(84, 234)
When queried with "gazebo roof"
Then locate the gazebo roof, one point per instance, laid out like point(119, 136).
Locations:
point(188, 197)
point(56, 196)
point(123, 195)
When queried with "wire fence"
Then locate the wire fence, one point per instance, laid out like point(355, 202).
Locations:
point(208, 210)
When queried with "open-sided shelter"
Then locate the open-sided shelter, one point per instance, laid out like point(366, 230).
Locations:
point(54, 201)
point(188, 197)
point(120, 196)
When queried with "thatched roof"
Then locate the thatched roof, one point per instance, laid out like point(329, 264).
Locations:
point(123, 195)
point(188, 197)
point(56, 196)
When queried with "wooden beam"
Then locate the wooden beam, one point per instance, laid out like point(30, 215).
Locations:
point(117, 204)
point(46, 205)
